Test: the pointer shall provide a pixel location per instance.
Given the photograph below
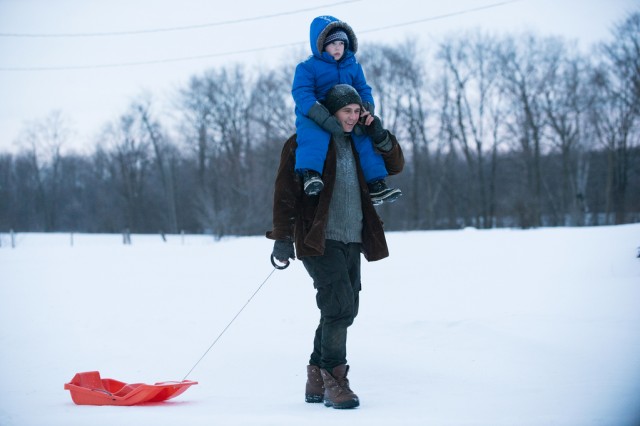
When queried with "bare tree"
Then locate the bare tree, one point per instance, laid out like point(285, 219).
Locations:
point(471, 65)
point(163, 156)
point(195, 122)
point(217, 105)
point(516, 131)
point(129, 149)
point(271, 107)
point(525, 66)
point(44, 140)
point(567, 96)
point(617, 111)
point(404, 98)
point(429, 157)
point(272, 122)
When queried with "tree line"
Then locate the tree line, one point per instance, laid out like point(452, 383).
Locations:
point(512, 130)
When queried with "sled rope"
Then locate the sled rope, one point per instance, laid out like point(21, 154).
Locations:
point(230, 322)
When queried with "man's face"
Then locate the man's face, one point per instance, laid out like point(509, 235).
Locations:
point(348, 116)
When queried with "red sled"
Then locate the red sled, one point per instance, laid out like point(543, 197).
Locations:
point(89, 389)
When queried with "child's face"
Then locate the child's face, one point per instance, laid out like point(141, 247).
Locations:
point(335, 49)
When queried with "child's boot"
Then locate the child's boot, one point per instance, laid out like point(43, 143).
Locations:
point(312, 182)
point(381, 193)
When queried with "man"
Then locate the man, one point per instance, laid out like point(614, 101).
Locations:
point(330, 230)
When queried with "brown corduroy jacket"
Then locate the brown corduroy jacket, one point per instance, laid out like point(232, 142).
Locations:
point(303, 219)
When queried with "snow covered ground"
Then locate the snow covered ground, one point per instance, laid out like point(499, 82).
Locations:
point(501, 327)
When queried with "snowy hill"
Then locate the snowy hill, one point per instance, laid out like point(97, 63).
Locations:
point(500, 327)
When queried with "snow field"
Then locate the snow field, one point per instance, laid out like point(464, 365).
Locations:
point(500, 327)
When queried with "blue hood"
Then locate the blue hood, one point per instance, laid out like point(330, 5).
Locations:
point(321, 26)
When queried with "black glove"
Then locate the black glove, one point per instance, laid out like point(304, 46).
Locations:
point(321, 115)
point(283, 250)
point(359, 129)
point(379, 135)
point(369, 107)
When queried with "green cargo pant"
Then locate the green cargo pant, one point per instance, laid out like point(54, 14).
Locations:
point(336, 278)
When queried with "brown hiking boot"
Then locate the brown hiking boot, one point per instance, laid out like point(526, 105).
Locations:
point(337, 393)
point(314, 391)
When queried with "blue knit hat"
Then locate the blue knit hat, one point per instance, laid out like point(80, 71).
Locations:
point(336, 35)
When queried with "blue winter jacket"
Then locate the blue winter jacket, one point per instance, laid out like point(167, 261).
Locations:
point(320, 72)
point(313, 78)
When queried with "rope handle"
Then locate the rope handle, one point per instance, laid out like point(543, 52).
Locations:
point(279, 266)
point(275, 266)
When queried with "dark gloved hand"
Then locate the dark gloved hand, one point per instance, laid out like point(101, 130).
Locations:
point(283, 250)
point(321, 115)
point(379, 135)
point(369, 107)
point(359, 130)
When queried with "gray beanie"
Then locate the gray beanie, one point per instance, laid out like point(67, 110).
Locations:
point(340, 96)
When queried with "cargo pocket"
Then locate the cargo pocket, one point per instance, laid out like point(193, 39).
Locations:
point(337, 299)
point(326, 298)
point(356, 298)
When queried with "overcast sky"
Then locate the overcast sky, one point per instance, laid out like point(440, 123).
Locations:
point(77, 56)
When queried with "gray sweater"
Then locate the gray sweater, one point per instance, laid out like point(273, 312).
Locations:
point(345, 211)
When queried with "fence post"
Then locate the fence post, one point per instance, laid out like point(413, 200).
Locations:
point(126, 237)
point(13, 239)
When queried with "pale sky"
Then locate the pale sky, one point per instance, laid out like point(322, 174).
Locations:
point(90, 95)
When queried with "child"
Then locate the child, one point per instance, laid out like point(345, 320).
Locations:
point(333, 44)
